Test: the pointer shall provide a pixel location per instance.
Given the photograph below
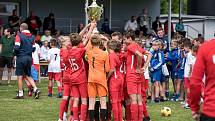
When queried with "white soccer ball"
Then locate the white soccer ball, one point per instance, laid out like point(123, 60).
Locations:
point(166, 111)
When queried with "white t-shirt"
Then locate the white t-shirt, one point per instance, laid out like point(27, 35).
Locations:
point(35, 54)
point(44, 37)
point(44, 53)
point(192, 62)
point(130, 25)
point(189, 60)
point(54, 60)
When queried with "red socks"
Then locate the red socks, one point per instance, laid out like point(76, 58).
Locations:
point(71, 106)
point(59, 89)
point(75, 113)
point(128, 113)
point(62, 108)
point(115, 111)
point(134, 112)
point(83, 112)
point(140, 112)
point(50, 90)
point(120, 110)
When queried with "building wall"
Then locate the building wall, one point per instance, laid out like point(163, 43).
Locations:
point(210, 29)
point(69, 13)
point(74, 9)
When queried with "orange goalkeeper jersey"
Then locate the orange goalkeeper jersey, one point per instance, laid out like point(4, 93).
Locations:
point(98, 61)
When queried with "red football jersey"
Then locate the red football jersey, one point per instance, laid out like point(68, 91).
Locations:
point(131, 58)
point(64, 65)
point(77, 66)
point(116, 80)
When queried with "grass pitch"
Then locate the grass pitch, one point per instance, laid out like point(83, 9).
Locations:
point(46, 109)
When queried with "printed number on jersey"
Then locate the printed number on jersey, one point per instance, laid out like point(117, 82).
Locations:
point(74, 65)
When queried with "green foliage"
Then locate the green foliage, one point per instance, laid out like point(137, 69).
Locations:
point(175, 6)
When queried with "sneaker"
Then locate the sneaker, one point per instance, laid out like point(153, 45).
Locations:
point(37, 94)
point(157, 100)
point(19, 97)
point(146, 119)
point(65, 116)
point(162, 99)
point(60, 95)
point(167, 94)
point(186, 106)
point(183, 103)
point(50, 95)
point(149, 97)
point(60, 120)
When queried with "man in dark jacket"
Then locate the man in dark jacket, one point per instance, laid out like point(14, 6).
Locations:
point(49, 23)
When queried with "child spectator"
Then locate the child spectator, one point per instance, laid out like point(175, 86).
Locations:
point(47, 36)
point(156, 64)
point(173, 57)
point(44, 57)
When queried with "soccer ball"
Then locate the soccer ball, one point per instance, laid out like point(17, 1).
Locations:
point(166, 111)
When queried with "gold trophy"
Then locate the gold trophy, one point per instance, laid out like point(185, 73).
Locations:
point(94, 12)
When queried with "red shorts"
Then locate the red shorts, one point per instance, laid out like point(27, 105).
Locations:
point(65, 78)
point(143, 89)
point(67, 91)
point(116, 97)
point(116, 85)
point(54, 76)
point(146, 84)
point(186, 82)
point(79, 90)
point(134, 87)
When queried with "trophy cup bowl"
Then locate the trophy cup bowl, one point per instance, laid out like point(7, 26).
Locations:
point(94, 11)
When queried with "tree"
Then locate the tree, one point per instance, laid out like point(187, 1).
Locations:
point(175, 6)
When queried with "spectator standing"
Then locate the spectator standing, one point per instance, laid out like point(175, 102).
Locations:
point(156, 24)
point(180, 28)
point(143, 21)
point(105, 27)
point(14, 21)
point(6, 53)
point(166, 28)
point(80, 27)
point(49, 23)
point(34, 22)
point(131, 24)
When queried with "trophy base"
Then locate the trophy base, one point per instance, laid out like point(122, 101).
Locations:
point(95, 31)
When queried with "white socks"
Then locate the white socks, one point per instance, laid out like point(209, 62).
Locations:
point(35, 89)
point(20, 93)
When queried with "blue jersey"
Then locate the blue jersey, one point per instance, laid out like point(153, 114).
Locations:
point(173, 57)
point(157, 59)
point(182, 60)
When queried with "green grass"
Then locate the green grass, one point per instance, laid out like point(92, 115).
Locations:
point(46, 109)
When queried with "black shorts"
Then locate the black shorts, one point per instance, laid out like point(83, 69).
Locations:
point(23, 66)
point(6, 61)
point(204, 117)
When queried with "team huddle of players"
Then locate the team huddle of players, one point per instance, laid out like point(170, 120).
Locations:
point(89, 66)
